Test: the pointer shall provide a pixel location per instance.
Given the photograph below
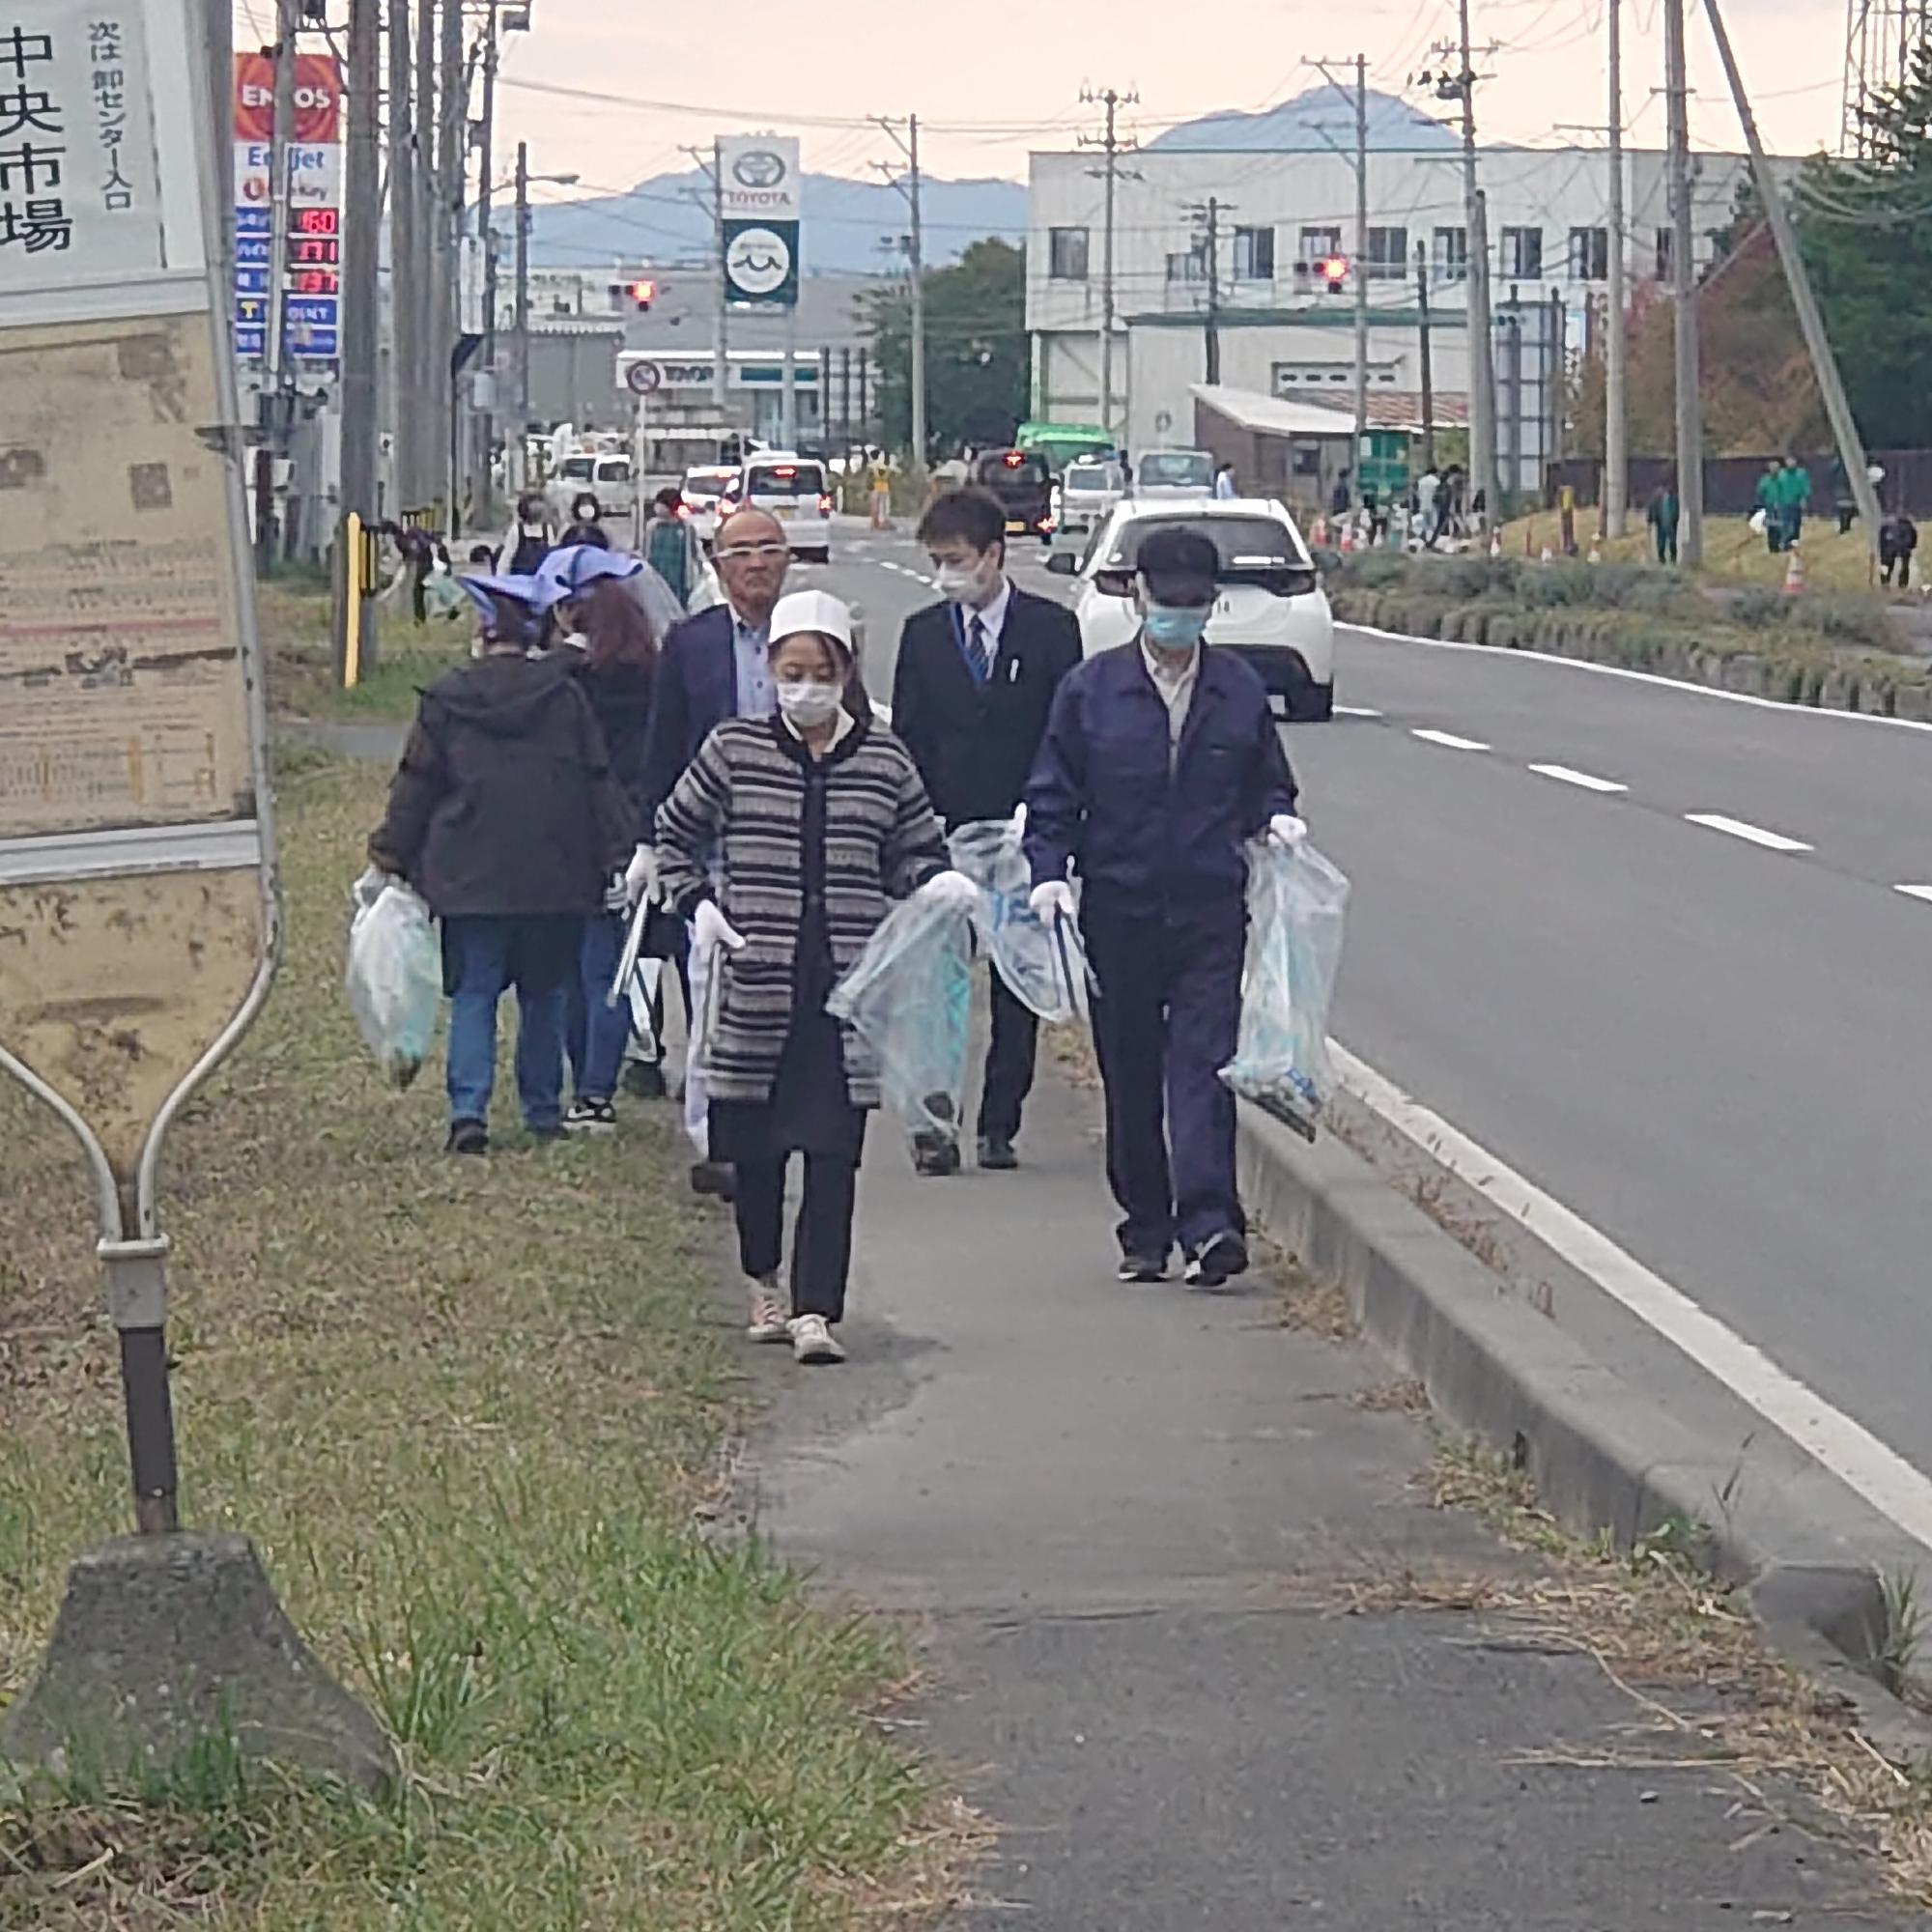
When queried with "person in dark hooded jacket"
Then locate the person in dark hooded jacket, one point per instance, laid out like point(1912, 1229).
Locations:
point(506, 817)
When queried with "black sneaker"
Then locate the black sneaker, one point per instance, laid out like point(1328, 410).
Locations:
point(643, 1080)
point(714, 1177)
point(1217, 1260)
point(545, 1135)
point(590, 1116)
point(467, 1137)
point(996, 1153)
point(1141, 1264)
point(935, 1156)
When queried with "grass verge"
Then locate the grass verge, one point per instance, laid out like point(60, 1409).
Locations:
point(466, 1410)
point(295, 618)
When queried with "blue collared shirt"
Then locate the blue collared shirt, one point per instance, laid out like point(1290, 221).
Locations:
point(757, 696)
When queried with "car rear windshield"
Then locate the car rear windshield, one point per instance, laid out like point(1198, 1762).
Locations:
point(1079, 480)
point(1187, 466)
point(786, 479)
point(617, 470)
point(1246, 546)
point(707, 482)
point(1013, 467)
point(575, 469)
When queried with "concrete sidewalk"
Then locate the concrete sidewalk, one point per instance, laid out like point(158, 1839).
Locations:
point(1128, 1523)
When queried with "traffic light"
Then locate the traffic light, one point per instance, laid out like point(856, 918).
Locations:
point(643, 295)
point(1334, 273)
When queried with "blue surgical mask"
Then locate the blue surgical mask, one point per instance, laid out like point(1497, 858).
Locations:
point(1174, 627)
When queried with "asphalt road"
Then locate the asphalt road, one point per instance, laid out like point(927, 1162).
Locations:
point(1710, 1039)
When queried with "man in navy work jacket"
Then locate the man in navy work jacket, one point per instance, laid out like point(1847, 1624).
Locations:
point(970, 693)
point(1161, 760)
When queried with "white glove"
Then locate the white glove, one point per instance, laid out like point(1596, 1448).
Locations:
point(1051, 900)
point(1020, 819)
point(711, 929)
point(1286, 831)
point(617, 896)
point(641, 875)
point(953, 889)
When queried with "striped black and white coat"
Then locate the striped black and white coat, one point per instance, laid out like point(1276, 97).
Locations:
point(759, 814)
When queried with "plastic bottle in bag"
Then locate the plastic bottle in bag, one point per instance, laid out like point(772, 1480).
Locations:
point(1296, 902)
point(1046, 970)
point(910, 997)
point(395, 974)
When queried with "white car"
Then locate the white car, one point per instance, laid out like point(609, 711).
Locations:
point(1173, 476)
point(1270, 607)
point(1089, 490)
point(589, 472)
point(795, 490)
point(700, 494)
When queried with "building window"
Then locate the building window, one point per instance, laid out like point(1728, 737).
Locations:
point(1192, 267)
point(1522, 253)
point(1388, 254)
point(1449, 257)
point(1254, 254)
point(1067, 254)
point(1666, 254)
point(1316, 245)
point(1589, 254)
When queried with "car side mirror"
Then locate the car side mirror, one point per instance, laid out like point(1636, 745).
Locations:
point(1113, 583)
point(1062, 563)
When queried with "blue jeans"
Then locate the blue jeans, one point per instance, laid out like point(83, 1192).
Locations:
point(484, 956)
point(598, 1034)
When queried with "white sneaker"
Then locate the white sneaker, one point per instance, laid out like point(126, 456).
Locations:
point(771, 1318)
point(811, 1341)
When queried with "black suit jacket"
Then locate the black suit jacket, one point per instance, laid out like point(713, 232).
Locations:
point(695, 689)
point(975, 744)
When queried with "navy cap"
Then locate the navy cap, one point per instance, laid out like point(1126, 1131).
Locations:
point(1179, 567)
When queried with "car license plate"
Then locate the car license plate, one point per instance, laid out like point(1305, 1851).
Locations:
point(1014, 529)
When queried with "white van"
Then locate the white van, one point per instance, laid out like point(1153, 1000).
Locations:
point(1173, 476)
point(609, 478)
point(795, 490)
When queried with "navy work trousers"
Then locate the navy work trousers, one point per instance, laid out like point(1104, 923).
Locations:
point(1167, 1014)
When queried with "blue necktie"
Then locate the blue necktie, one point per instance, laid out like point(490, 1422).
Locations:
point(980, 648)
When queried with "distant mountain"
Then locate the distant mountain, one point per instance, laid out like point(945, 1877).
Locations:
point(1320, 119)
point(846, 222)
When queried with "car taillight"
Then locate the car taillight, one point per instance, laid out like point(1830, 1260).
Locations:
point(825, 504)
point(684, 510)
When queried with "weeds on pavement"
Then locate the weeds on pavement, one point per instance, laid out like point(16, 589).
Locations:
point(466, 1410)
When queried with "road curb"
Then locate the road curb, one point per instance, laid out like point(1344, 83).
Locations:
point(1602, 1453)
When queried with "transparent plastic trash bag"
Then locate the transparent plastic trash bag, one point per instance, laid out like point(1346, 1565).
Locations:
point(1297, 901)
point(395, 974)
point(1045, 968)
point(910, 997)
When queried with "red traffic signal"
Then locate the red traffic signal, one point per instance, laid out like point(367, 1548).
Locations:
point(1334, 272)
point(643, 295)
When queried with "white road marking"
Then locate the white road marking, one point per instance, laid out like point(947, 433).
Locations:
point(1450, 739)
point(1355, 711)
point(1568, 775)
point(1755, 835)
point(1914, 892)
point(1640, 677)
point(1845, 1447)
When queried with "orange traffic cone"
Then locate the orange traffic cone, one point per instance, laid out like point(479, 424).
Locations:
point(1318, 535)
point(1794, 572)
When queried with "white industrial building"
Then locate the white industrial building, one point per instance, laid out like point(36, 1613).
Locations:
point(1277, 192)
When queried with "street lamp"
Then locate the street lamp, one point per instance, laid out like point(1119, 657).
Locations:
point(524, 179)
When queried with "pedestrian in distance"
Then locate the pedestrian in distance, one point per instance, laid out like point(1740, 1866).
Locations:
point(1342, 495)
point(971, 695)
point(785, 842)
point(1161, 761)
point(1844, 503)
point(1897, 540)
point(1769, 503)
point(609, 645)
point(529, 539)
point(1794, 496)
point(1662, 517)
point(1225, 488)
point(505, 817)
point(586, 523)
point(714, 667)
point(670, 546)
point(1428, 488)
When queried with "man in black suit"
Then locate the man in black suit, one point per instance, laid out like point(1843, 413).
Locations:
point(971, 693)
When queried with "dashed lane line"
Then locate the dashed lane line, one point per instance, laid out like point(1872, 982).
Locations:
point(1753, 834)
point(1431, 736)
point(1583, 781)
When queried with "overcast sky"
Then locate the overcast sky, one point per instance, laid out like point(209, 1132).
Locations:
point(993, 81)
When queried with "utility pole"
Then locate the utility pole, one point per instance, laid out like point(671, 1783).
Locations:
point(713, 172)
point(1109, 173)
point(519, 439)
point(909, 186)
point(1428, 358)
point(361, 249)
point(1208, 220)
point(485, 413)
point(452, 141)
point(404, 265)
point(1823, 365)
point(1362, 272)
point(1684, 287)
point(271, 537)
point(1483, 474)
point(425, 326)
point(1616, 451)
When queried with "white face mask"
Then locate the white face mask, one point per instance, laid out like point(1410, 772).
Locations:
point(966, 582)
point(809, 703)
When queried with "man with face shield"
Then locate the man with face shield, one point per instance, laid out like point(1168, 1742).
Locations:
point(971, 691)
point(1161, 761)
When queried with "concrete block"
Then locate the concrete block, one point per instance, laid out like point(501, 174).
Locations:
point(164, 1642)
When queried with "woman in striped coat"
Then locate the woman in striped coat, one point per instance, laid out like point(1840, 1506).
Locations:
point(784, 844)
